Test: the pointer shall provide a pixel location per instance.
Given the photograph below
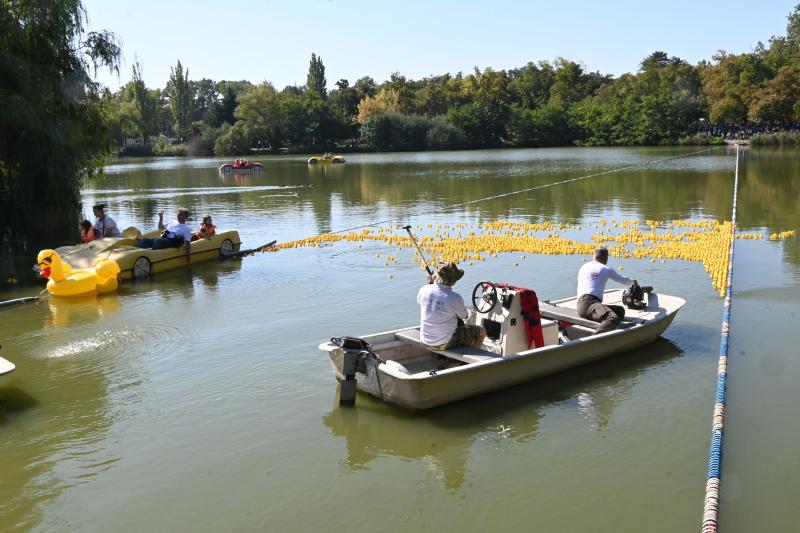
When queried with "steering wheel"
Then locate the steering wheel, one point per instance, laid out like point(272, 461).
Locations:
point(486, 299)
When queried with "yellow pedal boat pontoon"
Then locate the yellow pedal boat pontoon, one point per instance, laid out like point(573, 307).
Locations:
point(135, 262)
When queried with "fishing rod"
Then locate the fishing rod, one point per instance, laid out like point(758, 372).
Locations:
point(408, 229)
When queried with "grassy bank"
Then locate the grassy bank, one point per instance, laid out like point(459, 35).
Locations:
point(776, 139)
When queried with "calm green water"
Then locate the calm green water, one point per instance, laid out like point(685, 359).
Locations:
point(198, 401)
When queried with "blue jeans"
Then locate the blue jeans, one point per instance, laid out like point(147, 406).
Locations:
point(158, 243)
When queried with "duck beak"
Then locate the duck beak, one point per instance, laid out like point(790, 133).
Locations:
point(45, 273)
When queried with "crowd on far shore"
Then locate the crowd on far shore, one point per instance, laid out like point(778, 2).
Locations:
point(746, 130)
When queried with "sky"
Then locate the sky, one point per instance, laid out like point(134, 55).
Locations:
point(273, 41)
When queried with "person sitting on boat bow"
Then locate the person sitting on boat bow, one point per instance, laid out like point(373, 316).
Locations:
point(174, 234)
point(442, 312)
point(104, 226)
point(592, 279)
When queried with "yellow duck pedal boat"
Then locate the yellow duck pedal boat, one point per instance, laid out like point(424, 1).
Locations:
point(66, 281)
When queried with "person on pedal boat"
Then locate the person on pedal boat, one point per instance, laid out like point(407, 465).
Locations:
point(175, 234)
point(104, 225)
point(592, 279)
point(442, 313)
point(206, 230)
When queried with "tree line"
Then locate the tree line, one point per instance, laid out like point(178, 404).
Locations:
point(557, 103)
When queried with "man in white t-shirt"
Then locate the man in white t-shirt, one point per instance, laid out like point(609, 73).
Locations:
point(592, 279)
point(175, 234)
point(442, 313)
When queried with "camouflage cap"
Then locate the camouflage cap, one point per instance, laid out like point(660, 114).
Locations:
point(449, 273)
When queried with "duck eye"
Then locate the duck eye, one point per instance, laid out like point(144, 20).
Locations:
point(47, 260)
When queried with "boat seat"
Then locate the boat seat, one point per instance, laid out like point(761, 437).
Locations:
point(566, 314)
point(467, 354)
point(570, 315)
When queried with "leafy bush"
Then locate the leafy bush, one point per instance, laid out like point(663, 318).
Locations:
point(398, 131)
point(234, 140)
point(444, 136)
point(163, 147)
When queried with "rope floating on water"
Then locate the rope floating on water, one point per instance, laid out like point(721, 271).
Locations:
point(529, 189)
point(711, 505)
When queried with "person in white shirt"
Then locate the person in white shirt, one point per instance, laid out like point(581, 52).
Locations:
point(442, 313)
point(592, 279)
point(175, 234)
point(104, 225)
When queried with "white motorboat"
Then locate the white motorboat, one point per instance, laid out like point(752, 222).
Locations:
point(396, 367)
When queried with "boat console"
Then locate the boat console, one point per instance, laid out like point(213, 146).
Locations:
point(511, 317)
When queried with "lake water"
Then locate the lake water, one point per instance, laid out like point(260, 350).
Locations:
point(198, 400)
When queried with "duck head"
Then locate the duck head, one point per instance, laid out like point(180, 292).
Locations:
point(51, 265)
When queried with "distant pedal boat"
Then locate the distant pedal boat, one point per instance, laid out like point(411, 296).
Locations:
point(323, 160)
point(409, 374)
point(240, 165)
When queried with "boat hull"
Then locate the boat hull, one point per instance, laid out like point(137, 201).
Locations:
point(255, 167)
point(335, 160)
point(6, 366)
point(423, 390)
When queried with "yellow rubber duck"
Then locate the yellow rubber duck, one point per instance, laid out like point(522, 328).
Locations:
point(64, 281)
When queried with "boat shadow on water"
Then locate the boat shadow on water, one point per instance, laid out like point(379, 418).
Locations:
point(443, 436)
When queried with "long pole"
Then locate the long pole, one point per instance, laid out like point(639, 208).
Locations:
point(408, 229)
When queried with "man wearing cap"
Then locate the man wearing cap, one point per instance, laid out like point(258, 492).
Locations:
point(175, 234)
point(104, 226)
point(592, 279)
point(442, 313)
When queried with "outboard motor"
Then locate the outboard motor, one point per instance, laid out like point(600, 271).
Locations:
point(356, 351)
point(633, 296)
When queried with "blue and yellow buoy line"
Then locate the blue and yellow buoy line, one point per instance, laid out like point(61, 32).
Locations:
point(711, 505)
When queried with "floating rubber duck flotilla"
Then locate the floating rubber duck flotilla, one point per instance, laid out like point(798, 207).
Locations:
point(66, 281)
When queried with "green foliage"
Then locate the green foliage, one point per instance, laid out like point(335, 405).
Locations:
point(778, 98)
point(222, 111)
point(54, 125)
point(145, 115)
point(443, 136)
point(261, 117)
point(162, 147)
point(397, 131)
point(365, 87)
point(181, 99)
point(234, 140)
point(315, 81)
point(205, 98)
point(530, 85)
point(546, 126)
